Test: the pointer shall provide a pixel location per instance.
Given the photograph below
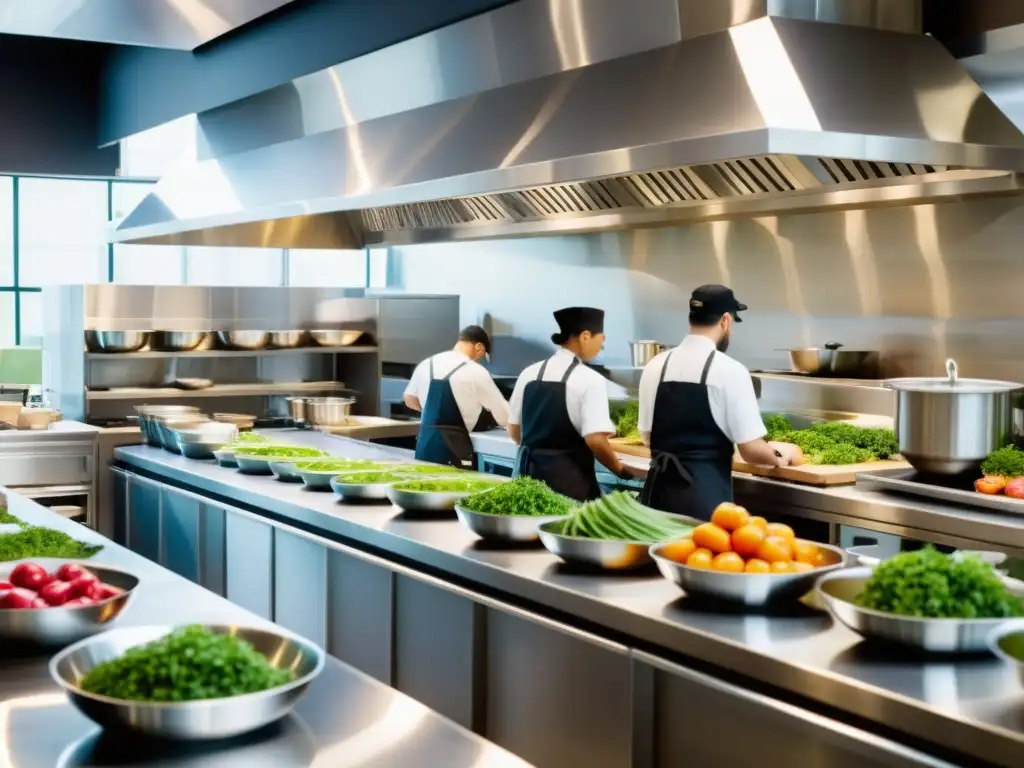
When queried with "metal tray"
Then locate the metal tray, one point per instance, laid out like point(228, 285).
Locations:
point(902, 481)
point(510, 528)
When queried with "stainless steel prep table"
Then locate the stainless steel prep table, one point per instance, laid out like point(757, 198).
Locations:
point(346, 718)
point(800, 659)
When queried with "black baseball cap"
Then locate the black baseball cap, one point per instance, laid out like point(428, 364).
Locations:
point(474, 334)
point(572, 321)
point(710, 302)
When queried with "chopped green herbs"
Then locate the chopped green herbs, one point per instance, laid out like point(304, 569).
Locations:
point(431, 469)
point(446, 485)
point(777, 424)
point(368, 478)
point(523, 496)
point(629, 417)
point(278, 451)
point(339, 465)
point(248, 438)
point(6, 518)
point(834, 442)
point(620, 517)
point(34, 541)
point(188, 664)
point(1008, 462)
point(930, 584)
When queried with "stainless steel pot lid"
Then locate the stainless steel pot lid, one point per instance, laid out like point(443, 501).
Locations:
point(951, 383)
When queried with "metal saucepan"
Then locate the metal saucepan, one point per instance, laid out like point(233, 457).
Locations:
point(116, 341)
point(947, 425)
point(642, 352)
point(831, 360)
point(328, 411)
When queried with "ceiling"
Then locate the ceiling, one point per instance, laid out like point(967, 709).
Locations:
point(178, 24)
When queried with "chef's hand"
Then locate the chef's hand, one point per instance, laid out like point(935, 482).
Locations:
point(786, 454)
point(629, 472)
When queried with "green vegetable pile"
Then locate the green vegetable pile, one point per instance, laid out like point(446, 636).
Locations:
point(523, 497)
point(626, 425)
point(368, 478)
point(248, 438)
point(34, 541)
point(620, 517)
point(446, 485)
point(340, 465)
point(279, 451)
point(6, 518)
point(430, 469)
point(834, 442)
point(1008, 462)
point(930, 584)
point(188, 664)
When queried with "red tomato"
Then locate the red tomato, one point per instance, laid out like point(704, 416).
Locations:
point(56, 593)
point(84, 586)
point(70, 572)
point(106, 591)
point(5, 585)
point(30, 576)
point(78, 602)
point(18, 598)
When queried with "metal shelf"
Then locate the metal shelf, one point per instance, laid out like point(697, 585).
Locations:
point(217, 390)
point(231, 353)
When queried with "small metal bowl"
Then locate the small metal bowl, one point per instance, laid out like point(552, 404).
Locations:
point(188, 720)
point(243, 339)
point(259, 464)
point(600, 553)
point(427, 501)
point(287, 339)
point(199, 451)
point(226, 457)
point(335, 338)
point(59, 626)
point(166, 427)
point(320, 480)
point(517, 529)
point(116, 341)
point(1007, 642)
point(839, 589)
point(750, 589)
point(238, 420)
point(210, 432)
point(358, 491)
point(147, 414)
point(177, 341)
point(283, 469)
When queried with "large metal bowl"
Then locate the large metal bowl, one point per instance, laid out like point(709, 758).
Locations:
point(166, 425)
point(226, 457)
point(243, 339)
point(148, 412)
point(335, 338)
point(283, 469)
point(287, 339)
point(518, 529)
point(598, 553)
point(320, 480)
point(839, 589)
point(59, 626)
point(188, 720)
point(428, 501)
point(1007, 642)
point(116, 341)
point(751, 589)
point(358, 491)
point(328, 411)
point(260, 464)
point(177, 341)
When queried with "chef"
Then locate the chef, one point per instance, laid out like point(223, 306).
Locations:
point(697, 405)
point(558, 413)
point(457, 396)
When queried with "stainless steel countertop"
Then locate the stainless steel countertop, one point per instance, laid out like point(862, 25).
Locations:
point(57, 432)
point(346, 718)
point(974, 706)
point(902, 515)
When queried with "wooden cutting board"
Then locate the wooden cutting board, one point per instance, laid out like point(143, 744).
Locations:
point(808, 474)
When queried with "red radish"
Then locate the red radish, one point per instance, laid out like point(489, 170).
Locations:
point(84, 586)
point(40, 603)
point(70, 572)
point(30, 576)
point(1015, 488)
point(5, 585)
point(78, 602)
point(18, 598)
point(106, 591)
point(56, 593)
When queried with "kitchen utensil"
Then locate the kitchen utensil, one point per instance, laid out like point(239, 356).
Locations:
point(750, 589)
point(509, 528)
point(601, 553)
point(188, 720)
point(58, 626)
point(947, 425)
point(200, 442)
point(243, 339)
point(146, 414)
point(358, 491)
point(226, 457)
point(832, 360)
point(116, 341)
point(165, 423)
point(328, 411)
point(260, 464)
point(642, 352)
point(177, 341)
point(1007, 642)
point(283, 469)
point(287, 339)
point(297, 409)
point(335, 338)
point(420, 501)
point(839, 589)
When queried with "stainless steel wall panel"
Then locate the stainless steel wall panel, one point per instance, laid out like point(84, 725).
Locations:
point(300, 586)
point(144, 517)
point(249, 563)
point(359, 614)
point(212, 556)
point(180, 533)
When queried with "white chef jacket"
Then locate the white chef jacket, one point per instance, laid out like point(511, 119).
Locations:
point(586, 394)
point(473, 387)
point(730, 389)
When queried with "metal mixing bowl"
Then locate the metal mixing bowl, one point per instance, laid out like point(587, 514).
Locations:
point(226, 457)
point(166, 424)
point(243, 339)
point(188, 720)
point(148, 412)
point(177, 341)
point(335, 338)
point(358, 491)
point(1007, 642)
point(59, 626)
point(287, 339)
point(510, 528)
point(601, 553)
point(284, 470)
point(752, 589)
point(116, 341)
point(839, 589)
point(429, 501)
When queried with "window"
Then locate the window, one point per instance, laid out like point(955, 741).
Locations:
point(342, 269)
point(31, 319)
point(6, 231)
point(152, 153)
point(233, 266)
point(7, 323)
point(142, 264)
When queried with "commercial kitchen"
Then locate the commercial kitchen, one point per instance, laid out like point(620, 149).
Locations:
point(204, 418)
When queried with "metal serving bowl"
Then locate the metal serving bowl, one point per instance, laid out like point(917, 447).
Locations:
point(239, 420)
point(510, 528)
point(166, 425)
point(188, 720)
point(58, 625)
point(287, 339)
point(260, 464)
point(243, 339)
point(148, 412)
point(1007, 642)
point(226, 457)
point(751, 589)
point(335, 338)
point(200, 442)
point(116, 341)
point(177, 341)
point(358, 491)
point(601, 553)
point(839, 589)
point(428, 501)
point(283, 469)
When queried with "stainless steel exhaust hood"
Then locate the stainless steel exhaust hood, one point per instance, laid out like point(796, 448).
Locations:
point(558, 116)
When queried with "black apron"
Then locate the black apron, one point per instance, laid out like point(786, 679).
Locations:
point(552, 450)
point(443, 437)
point(691, 458)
